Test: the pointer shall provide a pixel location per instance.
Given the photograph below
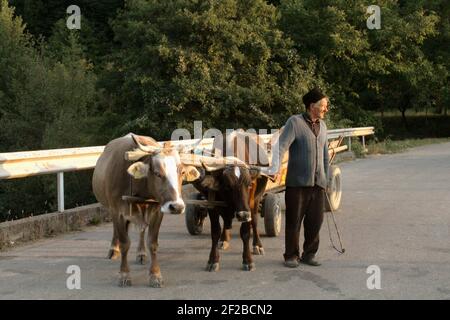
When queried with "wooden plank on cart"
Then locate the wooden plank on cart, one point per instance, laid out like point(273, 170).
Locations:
point(334, 147)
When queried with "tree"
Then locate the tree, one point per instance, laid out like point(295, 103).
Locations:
point(223, 62)
point(95, 34)
point(436, 50)
point(365, 69)
point(397, 64)
point(328, 32)
point(45, 102)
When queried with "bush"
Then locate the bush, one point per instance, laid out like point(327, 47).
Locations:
point(45, 102)
point(223, 62)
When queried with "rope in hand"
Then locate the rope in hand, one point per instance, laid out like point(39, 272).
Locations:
point(331, 212)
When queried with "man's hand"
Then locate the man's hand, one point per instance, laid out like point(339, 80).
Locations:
point(274, 177)
point(265, 171)
point(269, 173)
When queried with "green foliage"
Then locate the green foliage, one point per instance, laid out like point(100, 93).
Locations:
point(44, 103)
point(95, 221)
point(331, 33)
point(371, 69)
point(41, 17)
point(357, 148)
point(425, 126)
point(389, 146)
point(153, 66)
point(224, 62)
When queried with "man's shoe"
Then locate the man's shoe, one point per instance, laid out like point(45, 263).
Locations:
point(310, 262)
point(291, 263)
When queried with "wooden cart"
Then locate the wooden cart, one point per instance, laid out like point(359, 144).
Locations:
point(197, 205)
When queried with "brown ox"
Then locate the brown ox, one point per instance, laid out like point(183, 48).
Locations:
point(158, 176)
point(241, 188)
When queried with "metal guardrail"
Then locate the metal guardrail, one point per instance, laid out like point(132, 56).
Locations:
point(31, 163)
point(352, 132)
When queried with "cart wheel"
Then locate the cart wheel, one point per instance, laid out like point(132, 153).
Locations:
point(195, 215)
point(271, 211)
point(335, 193)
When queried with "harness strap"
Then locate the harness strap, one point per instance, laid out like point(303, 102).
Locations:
point(342, 250)
point(131, 194)
point(252, 192)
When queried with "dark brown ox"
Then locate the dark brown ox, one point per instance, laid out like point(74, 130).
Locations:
point(157, 175)
point(241, 188)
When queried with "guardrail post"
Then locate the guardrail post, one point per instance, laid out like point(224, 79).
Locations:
point(364, 143)
point(60, 186)
point(350, 143)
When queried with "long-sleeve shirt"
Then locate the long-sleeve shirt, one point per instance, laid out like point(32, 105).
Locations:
point(308, 154)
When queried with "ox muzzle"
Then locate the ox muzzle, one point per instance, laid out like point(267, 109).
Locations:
point(173, 207)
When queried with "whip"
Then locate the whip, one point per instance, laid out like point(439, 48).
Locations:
point(336, 227)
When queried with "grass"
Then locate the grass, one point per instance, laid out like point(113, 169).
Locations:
point(410, 113)
point(393, 137)
point(94, 221)
point(390, 146)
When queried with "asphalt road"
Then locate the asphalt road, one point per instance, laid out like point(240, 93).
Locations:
point(395, 214)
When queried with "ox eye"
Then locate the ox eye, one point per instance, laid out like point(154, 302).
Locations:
point(157, 174)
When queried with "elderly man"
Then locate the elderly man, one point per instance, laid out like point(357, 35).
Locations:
point(305, 135)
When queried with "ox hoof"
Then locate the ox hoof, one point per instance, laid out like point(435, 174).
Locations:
point(224, 245)
point(113, 254)
point(141, 258)
point(248, 266)
point(125, 280)
point(156, 281)
point(258, 250)
point(212, 267)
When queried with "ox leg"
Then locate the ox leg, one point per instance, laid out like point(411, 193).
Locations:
point(225, 238)
point(141, 256)
point(247, 259)
point(257, 244)
point(124, 243)
point(156, 280)
point(213, 262)
point(114, 250)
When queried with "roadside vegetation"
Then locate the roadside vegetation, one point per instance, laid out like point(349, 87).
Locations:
point(151, 66)
point(389, 146)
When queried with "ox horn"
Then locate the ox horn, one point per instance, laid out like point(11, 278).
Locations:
point(209, 168)
point(223, 162)
point(135, 155)
point(197, 160)
point(181, 148)
point(261, 173)
point(146, 148)
point(141, 151)
point(210, 163)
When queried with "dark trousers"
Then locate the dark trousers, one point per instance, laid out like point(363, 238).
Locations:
point(303, 204)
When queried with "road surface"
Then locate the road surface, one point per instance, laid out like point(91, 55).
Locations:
point(394, 215)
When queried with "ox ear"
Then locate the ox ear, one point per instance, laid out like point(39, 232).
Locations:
point(138, 170)
point(191, 174)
